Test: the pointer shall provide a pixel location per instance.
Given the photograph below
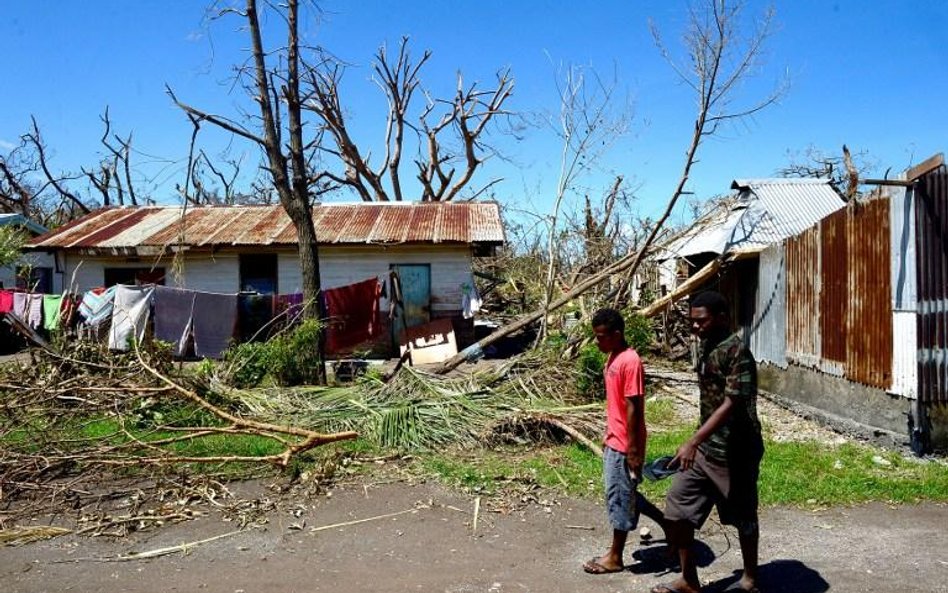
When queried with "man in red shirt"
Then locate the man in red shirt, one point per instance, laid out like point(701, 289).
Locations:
point(624, 451)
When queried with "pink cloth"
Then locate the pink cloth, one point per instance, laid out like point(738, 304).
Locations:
point(625, 378)
point(20, 300)
point(6, 301)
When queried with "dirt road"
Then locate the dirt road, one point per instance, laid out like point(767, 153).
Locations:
point(428, 544)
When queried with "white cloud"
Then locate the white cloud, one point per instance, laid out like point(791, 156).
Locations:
point(5, 146)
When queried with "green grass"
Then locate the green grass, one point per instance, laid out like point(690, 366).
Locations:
point(660, 413)
point(107, 430)
point(792, 473)
point(796, 474)
point(809, 473)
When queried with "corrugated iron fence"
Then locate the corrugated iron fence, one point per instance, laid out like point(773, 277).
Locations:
point(932, 277)
point(839, 310)
point(869, 319)
point(803, 297)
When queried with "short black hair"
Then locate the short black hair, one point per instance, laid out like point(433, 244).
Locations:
point(712, 300)
point(610, 319)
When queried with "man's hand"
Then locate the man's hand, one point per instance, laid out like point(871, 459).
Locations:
point(685, 456)
point(635, 468)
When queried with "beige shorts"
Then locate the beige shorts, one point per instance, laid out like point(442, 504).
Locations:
point(732, 489)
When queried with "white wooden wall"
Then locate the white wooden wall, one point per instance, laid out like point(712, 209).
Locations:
point(219, 273)
point(339, 266)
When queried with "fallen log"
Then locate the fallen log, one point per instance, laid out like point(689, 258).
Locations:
point(309, 438)
point(683, 289)
point(694, 282)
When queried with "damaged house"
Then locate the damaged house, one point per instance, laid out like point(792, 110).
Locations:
point(231, 249)
point(847, 314)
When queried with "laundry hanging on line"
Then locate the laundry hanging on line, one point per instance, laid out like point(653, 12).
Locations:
point(174, 308)
point(353, 312)
point(6, 301)
point(131, 307)
point(214, 322)
point(96, 305)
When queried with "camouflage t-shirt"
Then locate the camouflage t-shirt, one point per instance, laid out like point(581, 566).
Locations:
point(724, 370)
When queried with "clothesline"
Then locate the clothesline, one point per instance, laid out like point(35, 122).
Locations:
point(205, 321)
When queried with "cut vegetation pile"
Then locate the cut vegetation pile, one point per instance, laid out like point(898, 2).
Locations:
point(76, 422)
point(532, 396)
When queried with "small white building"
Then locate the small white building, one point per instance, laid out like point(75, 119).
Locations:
point(228, 249)
point(32, 269)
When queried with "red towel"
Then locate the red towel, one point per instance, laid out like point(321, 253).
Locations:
point(353, 314)
point(6, 301)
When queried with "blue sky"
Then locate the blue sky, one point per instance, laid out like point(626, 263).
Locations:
point(873, 75)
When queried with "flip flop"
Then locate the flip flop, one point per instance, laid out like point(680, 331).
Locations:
point(592, 566)
point(658, 469)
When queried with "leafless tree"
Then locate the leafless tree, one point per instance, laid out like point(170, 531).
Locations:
point(468, 114)
point(844, 171)
point(34, 138)
point(29, 186)
point(273, 80)
point(113, 176)
point(588, 124)
point(28, 183)
point(720, 58)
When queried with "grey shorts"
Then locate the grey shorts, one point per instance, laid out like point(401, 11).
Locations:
point(620, 491)
point(732, 489)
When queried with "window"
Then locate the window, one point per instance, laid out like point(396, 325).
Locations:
point(35, 278)
point(258, 273)
point(136, 276)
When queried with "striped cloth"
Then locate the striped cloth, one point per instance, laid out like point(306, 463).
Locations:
point(96, 305)
point(34, 310)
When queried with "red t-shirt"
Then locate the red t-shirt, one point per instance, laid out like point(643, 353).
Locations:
point(625, 378)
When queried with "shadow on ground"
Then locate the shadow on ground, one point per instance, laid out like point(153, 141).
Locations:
point(779, 576)
point(658, 558)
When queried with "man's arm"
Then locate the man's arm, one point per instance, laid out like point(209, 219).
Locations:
point(686, 453)
point(738, 386)
point(635, 423)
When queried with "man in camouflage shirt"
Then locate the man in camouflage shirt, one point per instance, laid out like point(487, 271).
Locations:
point(719, 464)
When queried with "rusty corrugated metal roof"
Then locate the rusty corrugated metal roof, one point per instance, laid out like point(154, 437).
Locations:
point(220, 226)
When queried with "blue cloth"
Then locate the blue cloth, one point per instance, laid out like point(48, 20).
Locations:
point(214, 321)
point(173, 316)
